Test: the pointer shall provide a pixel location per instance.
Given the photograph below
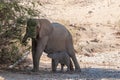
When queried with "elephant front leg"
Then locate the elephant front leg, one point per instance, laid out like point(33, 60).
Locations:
point(62, 66)
point(34, 46)
point(68, 67)
point(53, 65)
point(39, 48)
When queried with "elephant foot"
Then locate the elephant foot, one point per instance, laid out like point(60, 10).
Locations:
point(54, 71)
point(77, 70)
point(68, 70)
point(61, 71)
point(35, 70)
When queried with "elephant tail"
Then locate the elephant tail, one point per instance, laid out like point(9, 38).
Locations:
point(71, 66)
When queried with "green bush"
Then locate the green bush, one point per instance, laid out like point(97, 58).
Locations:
point(13, 18)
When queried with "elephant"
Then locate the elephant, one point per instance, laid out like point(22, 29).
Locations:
point(61, 57)
point(49, 38)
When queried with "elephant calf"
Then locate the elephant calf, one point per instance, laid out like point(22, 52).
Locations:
point(62, 58)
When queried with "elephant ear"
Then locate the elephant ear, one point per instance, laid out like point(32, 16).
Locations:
point(45, 28)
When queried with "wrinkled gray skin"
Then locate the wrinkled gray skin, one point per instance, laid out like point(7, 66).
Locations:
point(62, 58)
point(50, 38)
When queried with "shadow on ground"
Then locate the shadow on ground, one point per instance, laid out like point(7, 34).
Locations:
point(87, 73)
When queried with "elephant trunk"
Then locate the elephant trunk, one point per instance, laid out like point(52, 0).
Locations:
point(25, 38)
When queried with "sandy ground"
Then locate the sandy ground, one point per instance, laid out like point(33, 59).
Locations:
point(95, 26)
point(99, 67)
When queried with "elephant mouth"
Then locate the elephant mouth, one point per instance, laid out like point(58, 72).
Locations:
point(48, 55)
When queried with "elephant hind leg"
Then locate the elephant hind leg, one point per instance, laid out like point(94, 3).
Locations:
point(71, 52)
point(73, 57)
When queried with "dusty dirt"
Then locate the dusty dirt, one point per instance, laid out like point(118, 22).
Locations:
point(98, 67)
point(95, 26)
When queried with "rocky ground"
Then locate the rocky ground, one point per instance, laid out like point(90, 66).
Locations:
point(95, 26)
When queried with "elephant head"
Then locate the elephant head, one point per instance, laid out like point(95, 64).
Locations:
point(51, 56)
point(37, 28)
point(54, 56)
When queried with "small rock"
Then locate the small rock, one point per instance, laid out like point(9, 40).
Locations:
point(95, 40)
point(72, 25)
point(118, 67)
point(116, 33)
point(80, 60)
point(103, 62)
point(90, 12)
point(88, 55)
point(87, 42)
point(78, 34)
point(81, 28)
point(118, 52)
